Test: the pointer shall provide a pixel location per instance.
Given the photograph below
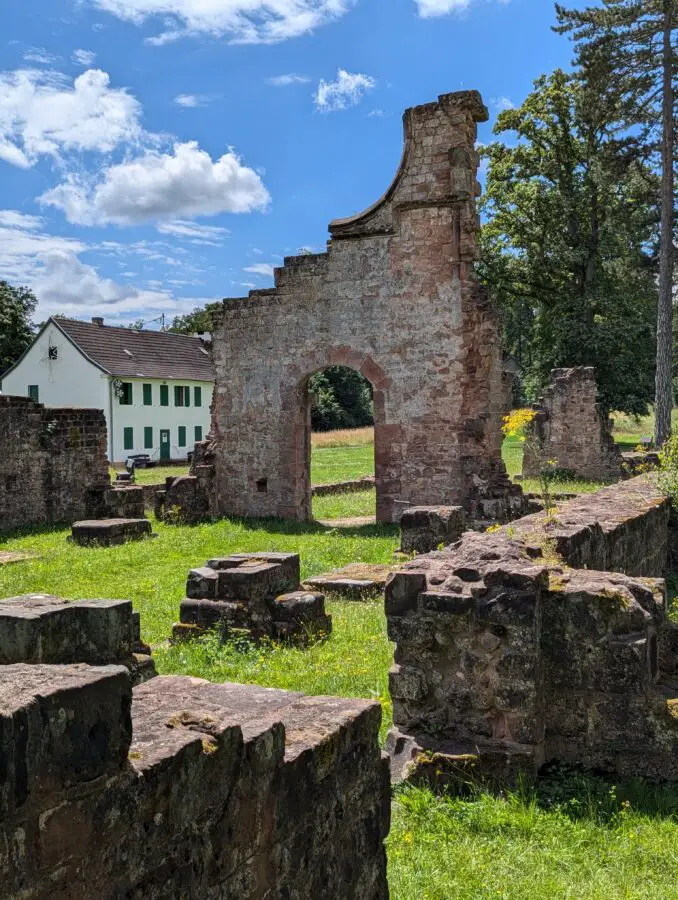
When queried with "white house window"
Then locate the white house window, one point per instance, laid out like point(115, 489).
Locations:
point(52, 352)
point(125, 393)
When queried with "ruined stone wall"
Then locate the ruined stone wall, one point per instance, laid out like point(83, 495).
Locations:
point(572, 429)
point(50, 459)
point(182, 788)
point(394, 298)
point(505, 652)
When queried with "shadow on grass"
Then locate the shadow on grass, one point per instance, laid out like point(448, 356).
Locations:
point(293, 527)
point(602, 798)
point(33, 530)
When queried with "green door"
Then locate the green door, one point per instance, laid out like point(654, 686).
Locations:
point(164, 443)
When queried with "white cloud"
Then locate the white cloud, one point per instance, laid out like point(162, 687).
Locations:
point(347, 90)
point(244, 21)
point(190, 100)
point(42, 113)
point(11, 218)
point(376, 114)
point(23, 245)
point(428, 9)
point(66, 284)
point(162, 186)
point(40, 56)
point(260, 269)
point(63, 283)
point(84, 57)
point(193, 232)
point(286, 80)
point(502, 103)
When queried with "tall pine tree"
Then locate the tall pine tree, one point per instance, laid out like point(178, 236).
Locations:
point(637, 38)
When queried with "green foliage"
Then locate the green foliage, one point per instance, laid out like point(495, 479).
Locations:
point(571, 214)
point(668, 469)
point(342, 398)
point(197, 322)
point(17, 305)
point(636, 41)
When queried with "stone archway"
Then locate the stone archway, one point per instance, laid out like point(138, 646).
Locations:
point(394, 297)
point(296, 456)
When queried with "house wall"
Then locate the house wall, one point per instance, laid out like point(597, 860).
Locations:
point(69, 381)
point(137, 416)
point(73, 381)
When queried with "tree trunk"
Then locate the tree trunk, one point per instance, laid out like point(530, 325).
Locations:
point(664, 386)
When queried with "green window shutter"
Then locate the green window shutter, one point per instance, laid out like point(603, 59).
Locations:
point(187, 396)
point(164, 395)
point(34, 392)
point(148, 438)
point(128, 438)
point(197, 396)
point(177, 396)
point(182, 435)
point(148, 395)
point(198, 432)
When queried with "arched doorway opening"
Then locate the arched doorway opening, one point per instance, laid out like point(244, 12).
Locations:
point(341, 405)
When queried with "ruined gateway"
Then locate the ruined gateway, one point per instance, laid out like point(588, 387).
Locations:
point(395, 298)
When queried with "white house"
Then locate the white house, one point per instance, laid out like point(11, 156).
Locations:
point(155, 388)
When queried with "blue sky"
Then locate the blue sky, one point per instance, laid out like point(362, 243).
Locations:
point(159, 154)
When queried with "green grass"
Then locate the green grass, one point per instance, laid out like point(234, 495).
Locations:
point(345, 506)
point(153, 573)
point(330, 464)
point(564, 841)
point(527, 848)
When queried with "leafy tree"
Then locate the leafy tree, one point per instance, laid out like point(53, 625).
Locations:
point(637, 39)
point(342, 398)
point(197, 322)
point(566, 245)
point(17, 305)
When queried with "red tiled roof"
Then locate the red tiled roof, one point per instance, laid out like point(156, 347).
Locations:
point(144, 354)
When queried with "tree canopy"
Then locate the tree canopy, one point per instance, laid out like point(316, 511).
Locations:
point(637, 42)
point(571, 219)
point(17, 305)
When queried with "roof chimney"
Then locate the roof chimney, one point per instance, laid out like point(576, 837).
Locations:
point(97, 320)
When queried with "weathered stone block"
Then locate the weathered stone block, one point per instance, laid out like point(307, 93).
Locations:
point(60, 726)
point(50, 461)
point(110, 532)
point(499, 645)
point(424, 528)
point(572, 429)
point(40, 628)
point(229, 791)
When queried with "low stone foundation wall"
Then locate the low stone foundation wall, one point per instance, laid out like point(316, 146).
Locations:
point(344, 487)
point(50, 459)
point(182, 788)
point(508, 656)
point(252, 595)
point(42, 628)
point(621, 528)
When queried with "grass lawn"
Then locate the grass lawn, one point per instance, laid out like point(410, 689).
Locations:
point(572, 841)
point(572, 837)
